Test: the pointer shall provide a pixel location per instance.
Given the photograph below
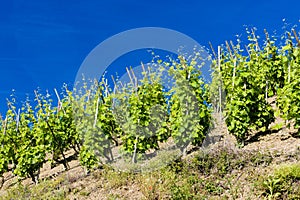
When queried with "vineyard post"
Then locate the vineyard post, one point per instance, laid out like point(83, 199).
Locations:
point(135, 149)
point(213, 51)
point(115, 84)
point(106, 87)
point(59, 102)
point(291, 51)
point(218, 58)
point(4, 125)
point(108, 149)
point(296, 36)
point(143, 68)
point(248, 51)
point(234, 71)
point(4, 133)
point(267, 82)
point(256, 41)
point(65, 163)
point(289, 66)
point(96, 113)
point(18, 120)
point(266, 92)
point(234, 64)
point(135, 79)
point(129, 75)
point(94, 127)
point(88, 91)
point(4, 130)
point(289, 73)
point(220, 89)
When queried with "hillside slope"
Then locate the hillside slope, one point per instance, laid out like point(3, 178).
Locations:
point(218, 170)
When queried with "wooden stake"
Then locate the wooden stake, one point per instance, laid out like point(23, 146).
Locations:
point(128, 72)
point(229, 49)
point(96, 113)
point(143, 67)
point(59, 101)
point(256, 42)
point(116, 86)
point(220, 88)
point(233, 76)
point(135, 149)
point(232, 45)
point(296, 36)
point(18, 120)
point(106, 87)
point(135, 79)
point(213, 51)
point(289, 73)
point(5, 125)
point(247, 51)
point(266, 95)
point(267, 35)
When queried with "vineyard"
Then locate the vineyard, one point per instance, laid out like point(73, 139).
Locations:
point(251, 87)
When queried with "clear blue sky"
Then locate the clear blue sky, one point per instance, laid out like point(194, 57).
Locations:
point(43, 43)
